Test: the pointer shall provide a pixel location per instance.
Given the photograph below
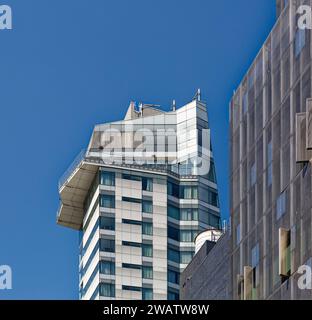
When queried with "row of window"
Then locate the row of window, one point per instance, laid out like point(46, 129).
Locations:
point(147, 271)
point(183, 214)
point(108, 201)
point(182, 192)
point(108, 290)
point(184, 257)
point(182, 235)
point(147, 227)
point(108, 179)
point(147, 249)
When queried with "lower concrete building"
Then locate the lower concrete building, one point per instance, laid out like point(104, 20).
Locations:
point(207, 277)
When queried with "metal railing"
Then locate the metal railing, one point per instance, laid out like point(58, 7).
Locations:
point(67, 174)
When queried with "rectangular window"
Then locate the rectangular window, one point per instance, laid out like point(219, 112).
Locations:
point(186, 236)
point(147, 184)
point(253, 175)
point(133, 200)
point(131, 177)
point(107, 201)
point(147, 272)
point(213, 198)
point(147, 228)
point(173, 295)
point(107, 245)
point(147, 250)
point(131, 266)
point(189, 192)
point(107, 223)
point(214, 221)
point(132, 288)
point(188, 214)
point(281, 205)
point(173, 212)
point(107, 290)
point(173, 233)
point(173, 277)
point(173, 255)
point(133, 222)
point(107, 178)
point(147, 294)
point(186, 257)
point(107, 267)
point(300, 40)
point(131, 244)
point(147, 206)
point(173, 189)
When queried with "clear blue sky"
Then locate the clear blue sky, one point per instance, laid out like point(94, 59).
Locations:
point(68, 65)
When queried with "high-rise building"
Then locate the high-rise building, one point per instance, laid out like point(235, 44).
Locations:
point(138, 196)
point(271, 173)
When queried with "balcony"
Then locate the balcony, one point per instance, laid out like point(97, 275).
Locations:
point(73, 189)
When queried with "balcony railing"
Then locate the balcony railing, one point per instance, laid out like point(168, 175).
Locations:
point(67, 174)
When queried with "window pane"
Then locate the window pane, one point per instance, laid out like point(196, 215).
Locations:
point(147, 272)
point(107, 290)
point(147, 294)
point(107, 267)
point(107, 245)
point(107, 223)
point(147, 228)
point(173, 212)
point(186, 257)
point(107, 178)
point(147, 184)
point(186, 236)
point(107, 201)
point(147, 250)
point(147, 206)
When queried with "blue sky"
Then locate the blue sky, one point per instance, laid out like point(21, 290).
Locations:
point(68, 65)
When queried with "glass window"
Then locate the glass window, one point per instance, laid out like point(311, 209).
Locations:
point(131, 266)
point(186, 215)
point(186, 236)
point(253, 175)
point(186, 257)
point(147, 206)
point(189, 192)
point(147, 228)
point(107, 290)
point(134, 200)
point(173, 295)
point(107, 201)
point(173, 212)
point(300, 40)
point(281, 205)
point(107, 245)
point(131, 288)
point(238, 234)
point(214, 221)
point(255, 256)
point(131, 177)
point(213, 198)
point(107, 223)
point(147, 184)
point(107, 178)
point(173, 233)
point(147, 250)
point(173, 189)
point(133, 222)
point(147, 272)
point(212, 173)
point(147, 294)
point(107, 267)
point(131, 244)
point(173, 277)
point(173, 255)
